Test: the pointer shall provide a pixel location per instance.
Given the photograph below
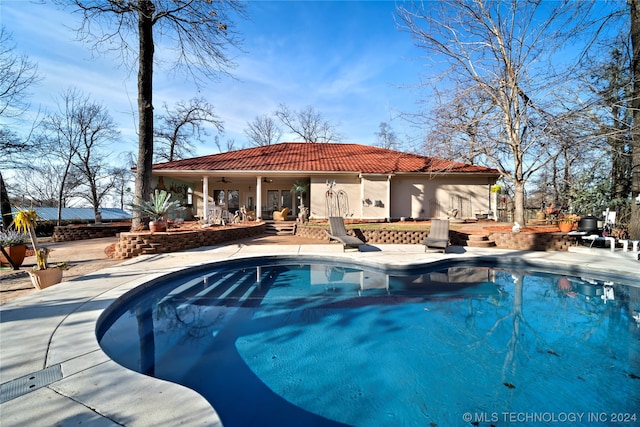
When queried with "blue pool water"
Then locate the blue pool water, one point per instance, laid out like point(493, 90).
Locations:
point(289, 343)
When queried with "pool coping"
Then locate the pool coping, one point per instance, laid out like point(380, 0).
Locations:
point(50, 335)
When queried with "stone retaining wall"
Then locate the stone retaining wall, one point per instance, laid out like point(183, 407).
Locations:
point(68, 233)
point(380, 236)
point(531, 241)
point(503, 240)
point(133, 244)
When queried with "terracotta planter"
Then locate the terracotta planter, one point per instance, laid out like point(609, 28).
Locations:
point(565, 227)
point(16, 253)
point(157, 226)
point(44, 278)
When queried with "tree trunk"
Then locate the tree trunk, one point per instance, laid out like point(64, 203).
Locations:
point(5, 204)
point(95, 202)
point(634, 223)
point(145, 106)
point(518, 199)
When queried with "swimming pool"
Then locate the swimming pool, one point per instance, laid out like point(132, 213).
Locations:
point(296, 342)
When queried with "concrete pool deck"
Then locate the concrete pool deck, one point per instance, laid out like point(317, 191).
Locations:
point(53, 371)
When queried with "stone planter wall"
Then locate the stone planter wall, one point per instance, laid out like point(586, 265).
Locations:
point(133, 244)
point(503, 240)
point(531, 241)
point(68, 233)
point(311, 232)
point(381, 236)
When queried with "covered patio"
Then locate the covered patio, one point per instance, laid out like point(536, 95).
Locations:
point(348, 180)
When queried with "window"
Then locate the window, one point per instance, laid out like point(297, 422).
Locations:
point(219, 197)
point(286, 200)
point(233, 203)
point(273, 202)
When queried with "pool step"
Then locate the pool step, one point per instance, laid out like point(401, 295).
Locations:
point(280, 228)
point(479, 241)
point(229, 288)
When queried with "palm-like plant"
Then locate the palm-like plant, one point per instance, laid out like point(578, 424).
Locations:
point(158, 207)
point(25, 221)
point(301, 189)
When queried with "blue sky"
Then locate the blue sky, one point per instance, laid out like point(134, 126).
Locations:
point(346, 59)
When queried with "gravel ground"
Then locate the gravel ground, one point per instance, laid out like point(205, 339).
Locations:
point(83, 257)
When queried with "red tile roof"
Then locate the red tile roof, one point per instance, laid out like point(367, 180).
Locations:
point(320, 157)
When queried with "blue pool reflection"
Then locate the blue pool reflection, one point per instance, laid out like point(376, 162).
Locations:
point(279, 344)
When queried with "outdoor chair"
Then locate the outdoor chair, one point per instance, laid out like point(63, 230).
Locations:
point(281, 215)
point(438, 235)
point(338, 232)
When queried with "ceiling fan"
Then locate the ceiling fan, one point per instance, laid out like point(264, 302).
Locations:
point(267, 180)
point(224, 181)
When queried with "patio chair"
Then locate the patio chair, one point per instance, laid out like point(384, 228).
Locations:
point(438, 235)
point(338, 232)
point(281, 215)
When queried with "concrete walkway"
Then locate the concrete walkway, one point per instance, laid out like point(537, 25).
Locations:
point(53, 371)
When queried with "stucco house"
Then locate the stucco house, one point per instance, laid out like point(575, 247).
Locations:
point(350, 180)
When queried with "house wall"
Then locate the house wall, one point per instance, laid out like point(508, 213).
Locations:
point(374, 201)
point(345, 199)
point(420, 198)
point(369, 197)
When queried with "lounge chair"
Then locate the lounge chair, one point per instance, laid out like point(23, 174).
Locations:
point(281, 215)
point(337, 231)
point(438, 235)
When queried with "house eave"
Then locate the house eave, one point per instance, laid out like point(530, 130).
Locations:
point(182, 172)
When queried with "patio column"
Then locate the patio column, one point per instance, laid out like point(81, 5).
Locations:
point(361, 197)
point(205, 198)
point(388, 205)
point(258, 198)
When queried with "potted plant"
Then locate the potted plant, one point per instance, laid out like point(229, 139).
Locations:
point(42, 276)
point(158, 208)
point(13, 247)
point(567, 222)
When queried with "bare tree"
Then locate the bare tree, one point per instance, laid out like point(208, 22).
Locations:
point(180, 128)
point(10, 146)
point(228, 145)
point(308, 124)
point(634, 224)
point(455, 130)
point(263, 130)
point(200, 32)
point(503, 50)
point(75, 136)
point(387, 138)
point(608, 113)
point(123, 178)
point(97, 130)
point(62, 140)
point(17, 75)
point(42, 185)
